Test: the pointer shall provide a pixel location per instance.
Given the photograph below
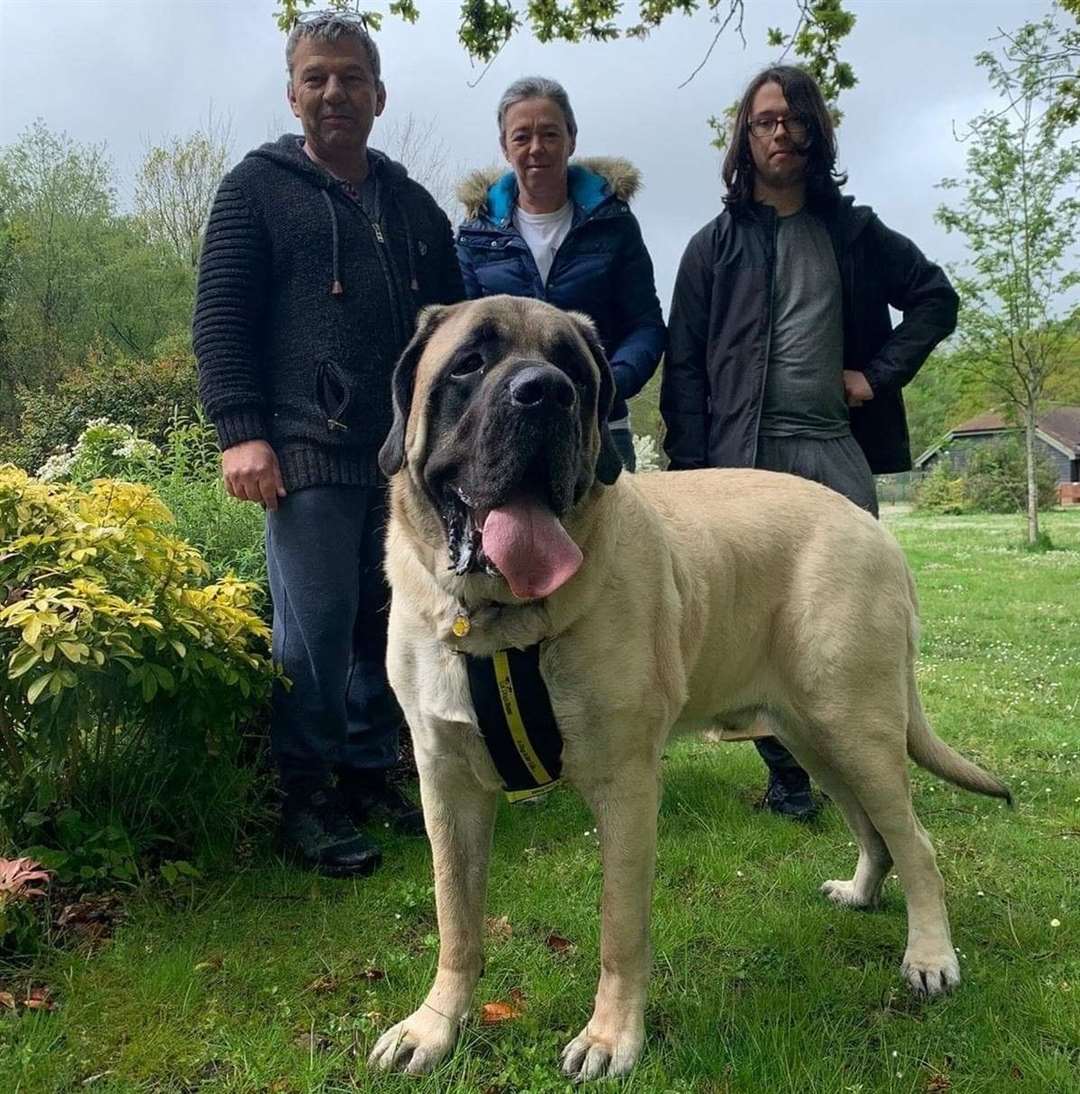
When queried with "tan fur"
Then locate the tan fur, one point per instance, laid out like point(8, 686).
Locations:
point(621, 175)
point(720, 597)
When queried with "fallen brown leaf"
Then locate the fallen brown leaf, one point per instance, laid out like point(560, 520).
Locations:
point(7, 1000)
point(91, 919)
point(322, 985)
point(373, 974)
point(498, 928)
point(557, 944)
point(938, 1084)
point(39, 999)
point(491, 1014)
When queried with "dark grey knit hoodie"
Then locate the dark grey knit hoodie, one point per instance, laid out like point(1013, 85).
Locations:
point(304, 304)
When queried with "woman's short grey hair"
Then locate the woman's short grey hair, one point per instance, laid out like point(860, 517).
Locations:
point(330, 26)
point(537, 87)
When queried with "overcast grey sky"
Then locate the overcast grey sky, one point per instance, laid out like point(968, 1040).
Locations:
point(128, 72)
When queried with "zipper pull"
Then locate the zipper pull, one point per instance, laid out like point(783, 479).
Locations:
point(378, 231)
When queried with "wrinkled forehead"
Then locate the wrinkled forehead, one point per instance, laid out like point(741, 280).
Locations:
point(502, 329)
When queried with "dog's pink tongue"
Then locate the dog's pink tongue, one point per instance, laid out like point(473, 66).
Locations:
point(531, 549)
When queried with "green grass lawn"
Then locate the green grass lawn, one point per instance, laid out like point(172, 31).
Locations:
point(270, 980)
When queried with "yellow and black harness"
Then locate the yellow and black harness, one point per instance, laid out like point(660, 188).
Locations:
point(514, 712)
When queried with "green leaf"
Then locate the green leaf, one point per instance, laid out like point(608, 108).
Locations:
point(33, 692)
point(22, 660)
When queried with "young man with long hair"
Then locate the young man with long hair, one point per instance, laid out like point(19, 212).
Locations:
point(782, 354)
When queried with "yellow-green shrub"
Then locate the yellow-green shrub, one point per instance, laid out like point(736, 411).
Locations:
point(113, 637)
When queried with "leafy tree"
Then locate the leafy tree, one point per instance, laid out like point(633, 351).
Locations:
point(74, 272)
point(176, 185)
point(1019, 214)
point(57, 198)
point(487, 25)
point(1066, 107)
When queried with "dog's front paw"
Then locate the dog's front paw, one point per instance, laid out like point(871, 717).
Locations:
point(595, 1055)
point(416, 1045)
point(931, 973)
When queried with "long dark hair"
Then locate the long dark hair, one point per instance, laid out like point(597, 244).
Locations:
point(804, 97)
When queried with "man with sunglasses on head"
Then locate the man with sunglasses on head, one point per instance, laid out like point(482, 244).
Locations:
point(781, 350)
point(319, 253)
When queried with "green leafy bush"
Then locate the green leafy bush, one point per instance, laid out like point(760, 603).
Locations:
point(185, 472)
point(941, 492)
point(995, 478)
point(127, 667)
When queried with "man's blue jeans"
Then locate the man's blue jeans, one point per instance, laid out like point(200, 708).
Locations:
point(324, 553)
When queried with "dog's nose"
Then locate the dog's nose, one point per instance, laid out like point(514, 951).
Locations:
point(542, 385)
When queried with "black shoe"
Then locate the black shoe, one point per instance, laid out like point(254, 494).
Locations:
point(788, 795)
point(316, 830)
point(371, 798)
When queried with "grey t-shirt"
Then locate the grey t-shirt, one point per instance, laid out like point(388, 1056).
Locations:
point(804, 386)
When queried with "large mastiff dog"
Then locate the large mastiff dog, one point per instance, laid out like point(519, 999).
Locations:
point(690, 599)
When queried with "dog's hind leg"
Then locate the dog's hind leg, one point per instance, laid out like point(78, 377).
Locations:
point(930, 965)
point(869, 778)
point(459, 814)
point(864, 889)
point(625, 804)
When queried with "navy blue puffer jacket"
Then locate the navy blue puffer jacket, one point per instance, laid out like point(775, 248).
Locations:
point(601, 269)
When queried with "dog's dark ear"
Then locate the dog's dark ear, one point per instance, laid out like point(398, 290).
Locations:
point(392, 453)
point(609, 465)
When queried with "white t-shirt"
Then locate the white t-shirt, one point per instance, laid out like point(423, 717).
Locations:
point(544, 233)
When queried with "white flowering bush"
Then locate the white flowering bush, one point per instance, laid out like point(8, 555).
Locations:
point(646, 452)
point(104, 449)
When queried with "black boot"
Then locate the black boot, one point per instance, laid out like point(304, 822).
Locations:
point(788, 793)
point(316, 830)
point(371, 798)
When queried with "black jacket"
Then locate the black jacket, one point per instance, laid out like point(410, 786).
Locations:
point(602, 268)
point(304, 304)
point(718, 334)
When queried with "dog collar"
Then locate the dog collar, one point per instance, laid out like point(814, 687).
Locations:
point(513, 709)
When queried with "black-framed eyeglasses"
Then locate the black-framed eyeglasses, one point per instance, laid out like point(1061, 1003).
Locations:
point(795, 125)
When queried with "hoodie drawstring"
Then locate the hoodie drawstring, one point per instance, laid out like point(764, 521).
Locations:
point(336, 288)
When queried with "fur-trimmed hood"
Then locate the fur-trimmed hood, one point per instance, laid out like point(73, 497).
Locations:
point(592, 179)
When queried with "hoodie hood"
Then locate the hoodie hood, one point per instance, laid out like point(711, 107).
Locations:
point(492, 191)
point(288, 152)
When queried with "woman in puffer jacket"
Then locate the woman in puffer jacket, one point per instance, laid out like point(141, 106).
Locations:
point(564, 233)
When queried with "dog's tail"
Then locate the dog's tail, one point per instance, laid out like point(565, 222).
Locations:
point(927, 749)
point(930, 752)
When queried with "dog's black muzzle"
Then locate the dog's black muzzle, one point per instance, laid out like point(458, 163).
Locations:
point(522, 436)
point(542, 388)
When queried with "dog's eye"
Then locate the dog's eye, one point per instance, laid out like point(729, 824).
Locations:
point(467, 366)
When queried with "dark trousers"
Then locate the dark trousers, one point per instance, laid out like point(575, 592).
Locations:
point(324, 553)
point(836, 462)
